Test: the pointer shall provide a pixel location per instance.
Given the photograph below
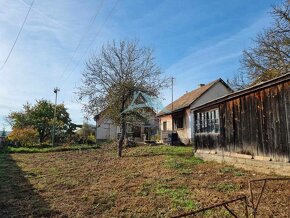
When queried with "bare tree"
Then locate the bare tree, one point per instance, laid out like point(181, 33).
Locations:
point(239, 81)
point(113, 76)
point(270, 56)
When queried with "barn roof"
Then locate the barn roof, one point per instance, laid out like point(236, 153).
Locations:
point(187, 99)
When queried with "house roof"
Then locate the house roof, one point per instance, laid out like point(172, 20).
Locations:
point(100, 117)
point(263, 85)
point(187, 99)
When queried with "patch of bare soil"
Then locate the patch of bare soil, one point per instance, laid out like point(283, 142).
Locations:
point(159, 181)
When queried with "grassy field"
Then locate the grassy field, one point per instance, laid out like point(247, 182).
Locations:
point(159, 181)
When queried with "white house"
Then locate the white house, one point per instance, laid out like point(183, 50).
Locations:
point(106, 129)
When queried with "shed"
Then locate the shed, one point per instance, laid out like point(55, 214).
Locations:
point(254, 121)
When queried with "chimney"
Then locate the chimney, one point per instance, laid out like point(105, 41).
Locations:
point(201, 85)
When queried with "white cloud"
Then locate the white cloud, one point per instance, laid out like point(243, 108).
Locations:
point(219, 59)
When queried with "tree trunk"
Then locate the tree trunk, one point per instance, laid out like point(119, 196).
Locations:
point(41, 136)
point(121, 140)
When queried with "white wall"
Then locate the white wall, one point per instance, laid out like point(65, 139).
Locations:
point(216, 91)
point(106, 130)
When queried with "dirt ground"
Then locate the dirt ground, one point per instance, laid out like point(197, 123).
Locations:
point(157, 181)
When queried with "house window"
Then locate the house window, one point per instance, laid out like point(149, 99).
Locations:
point(164, 125)
point(207, 122)
point(179, 122)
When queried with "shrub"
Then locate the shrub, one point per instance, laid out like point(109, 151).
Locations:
point(24, 136)
point(91, 139)
point(155, 137)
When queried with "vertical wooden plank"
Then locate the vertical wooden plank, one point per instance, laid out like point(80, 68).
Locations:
point(279, 124)
point(275, 103)
point(242, 123)
point(287, 112)
point(236, 125)
point(239, 125)
point(270, 121)
point(259, 99)
point(283, 122)
point(234, 130)
point(251, 122)
point(246, 116)
point(230, 126)
point(266, 129)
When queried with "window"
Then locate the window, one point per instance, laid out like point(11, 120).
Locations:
point(207, 122)
point(164, 126)
point(179, 122)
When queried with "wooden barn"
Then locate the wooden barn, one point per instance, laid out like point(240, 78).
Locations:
point(254, 121)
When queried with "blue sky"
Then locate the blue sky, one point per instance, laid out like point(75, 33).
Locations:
point(195, 41)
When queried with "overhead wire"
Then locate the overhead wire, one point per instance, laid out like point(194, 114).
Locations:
point(94, 39)
point(19, 32)
point(82, 38)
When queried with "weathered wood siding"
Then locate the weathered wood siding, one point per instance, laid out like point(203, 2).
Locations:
point(256, 123)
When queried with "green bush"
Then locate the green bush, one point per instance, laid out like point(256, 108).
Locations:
point(91, 139)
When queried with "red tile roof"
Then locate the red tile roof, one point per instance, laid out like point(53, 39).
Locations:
point(187, 99)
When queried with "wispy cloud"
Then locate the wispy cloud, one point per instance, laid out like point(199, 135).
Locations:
point(51, 33)
point(220, 59)
point(218, 52)
point(196, 41)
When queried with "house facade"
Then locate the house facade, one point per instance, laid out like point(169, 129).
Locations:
point(140, 131)
point(177, 117)
point(254, 122)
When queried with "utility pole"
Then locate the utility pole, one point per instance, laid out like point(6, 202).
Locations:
point(54, 116)
point(172, 124)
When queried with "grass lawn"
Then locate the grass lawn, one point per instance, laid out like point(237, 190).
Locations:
point(49, 148)
point(157, 181)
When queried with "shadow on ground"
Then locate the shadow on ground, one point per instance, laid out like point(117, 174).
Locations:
point(18, 198)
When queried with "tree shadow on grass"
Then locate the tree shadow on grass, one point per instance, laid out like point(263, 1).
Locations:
point(18, 198)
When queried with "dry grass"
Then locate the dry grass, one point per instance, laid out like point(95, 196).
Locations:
point(156, 181)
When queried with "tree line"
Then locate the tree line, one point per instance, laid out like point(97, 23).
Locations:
point(33, 125)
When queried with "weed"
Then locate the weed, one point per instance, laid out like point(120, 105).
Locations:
point(216, 213)
point(227, 169)
point(174, 164)
point(53, 170)
point(239, 173)
point(179, 196)
point(182, 161)
point(162, 189)
point(231, 169)
point(133, 176)
point(169, 179)
point(104, 202)
point(145, 189)
point(226, 187)
point(208, 213)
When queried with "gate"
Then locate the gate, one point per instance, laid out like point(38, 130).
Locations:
point(260, 203)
